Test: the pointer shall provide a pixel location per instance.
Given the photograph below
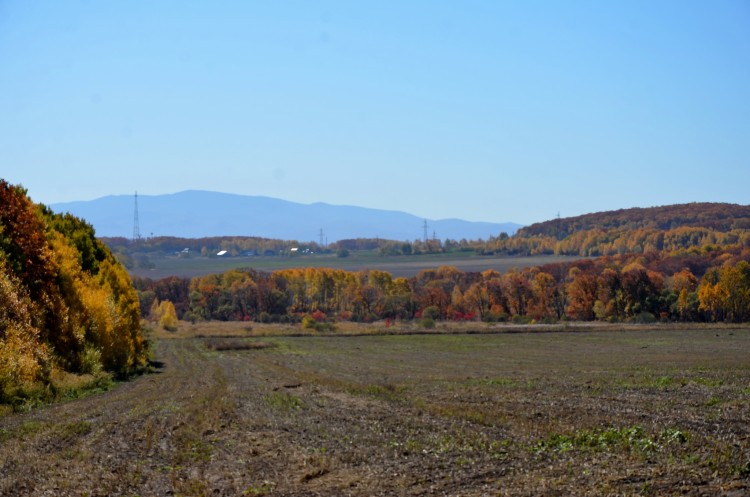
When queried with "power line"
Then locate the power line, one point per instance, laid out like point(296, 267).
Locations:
point(136, 224)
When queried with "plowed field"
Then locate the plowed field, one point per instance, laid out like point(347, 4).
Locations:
point(567, 413)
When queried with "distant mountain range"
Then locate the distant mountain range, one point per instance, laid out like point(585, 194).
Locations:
point(196, 214)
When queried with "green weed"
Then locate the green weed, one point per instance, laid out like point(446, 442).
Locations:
point(284, 401)
point(743, 471)
point(664, 382)
point(712, 401)
point(387, 392)
point(628, 438)
point(260, 489)
point(76, 428)
point(26, 429)
point(708, 382)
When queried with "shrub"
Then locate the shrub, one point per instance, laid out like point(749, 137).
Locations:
point(428, 323)
point(644, 318)
point(432, 312)
point(325, 327)
point(168, 319)
point(518, 319)
point(264, 317)
point(308, 322)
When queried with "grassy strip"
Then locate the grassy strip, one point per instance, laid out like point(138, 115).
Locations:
point(63, 386)
point(228, 329)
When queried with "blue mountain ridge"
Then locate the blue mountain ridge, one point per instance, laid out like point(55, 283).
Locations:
point(197, 213)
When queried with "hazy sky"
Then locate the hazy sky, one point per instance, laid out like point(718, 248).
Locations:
point(482, 110)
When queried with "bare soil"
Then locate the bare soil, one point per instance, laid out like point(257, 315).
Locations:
point(618, 412)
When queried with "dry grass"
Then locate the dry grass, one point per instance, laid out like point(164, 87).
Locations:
point(231, 329)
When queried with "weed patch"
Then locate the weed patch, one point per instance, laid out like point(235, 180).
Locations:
point(24, 430)
point(76, 429)
point(627, 438)
point(260, 489)
point(387, 392)
point(284, 402)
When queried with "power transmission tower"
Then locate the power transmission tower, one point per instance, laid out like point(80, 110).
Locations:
point(136, 224)
point(425, 231)
point(321, 238)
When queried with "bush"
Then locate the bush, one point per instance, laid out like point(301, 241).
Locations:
point(432, 312)
point(191, 317)
point(518, 319)
point(318, 315)
point(264, 317)
point(325, 327)
point(428, 323)
point(644, 318)
point(168, 319)
point(308, 322)
point(91, 362)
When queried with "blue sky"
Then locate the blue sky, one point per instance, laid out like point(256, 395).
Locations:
point(481, 110)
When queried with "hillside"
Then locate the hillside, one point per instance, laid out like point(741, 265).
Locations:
point(717, 216)
point(196, 214)
point(673, 228)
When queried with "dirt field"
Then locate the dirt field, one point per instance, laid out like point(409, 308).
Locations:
point(401, 266)
point(634, 412)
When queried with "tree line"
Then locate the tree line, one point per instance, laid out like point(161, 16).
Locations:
point(711, 286)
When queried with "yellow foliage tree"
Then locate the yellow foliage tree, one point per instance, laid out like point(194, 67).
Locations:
point(65, 302)
point(168, 316)
point(22, 355)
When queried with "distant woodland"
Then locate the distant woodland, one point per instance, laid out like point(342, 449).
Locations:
point(67, 307)
point(676, 263)
point(686, 228)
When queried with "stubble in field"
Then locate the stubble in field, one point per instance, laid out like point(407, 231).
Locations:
point(586, 413)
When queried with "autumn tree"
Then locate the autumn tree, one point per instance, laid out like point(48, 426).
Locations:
point(582, 295)
point(68, 304)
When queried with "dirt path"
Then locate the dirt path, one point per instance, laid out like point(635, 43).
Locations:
point(299, 423)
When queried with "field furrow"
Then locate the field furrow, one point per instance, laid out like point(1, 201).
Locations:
point(596, 413)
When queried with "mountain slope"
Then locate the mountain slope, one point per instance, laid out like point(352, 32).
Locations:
point(193, 214)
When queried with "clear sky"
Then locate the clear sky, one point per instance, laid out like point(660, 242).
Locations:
point(481, 110)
